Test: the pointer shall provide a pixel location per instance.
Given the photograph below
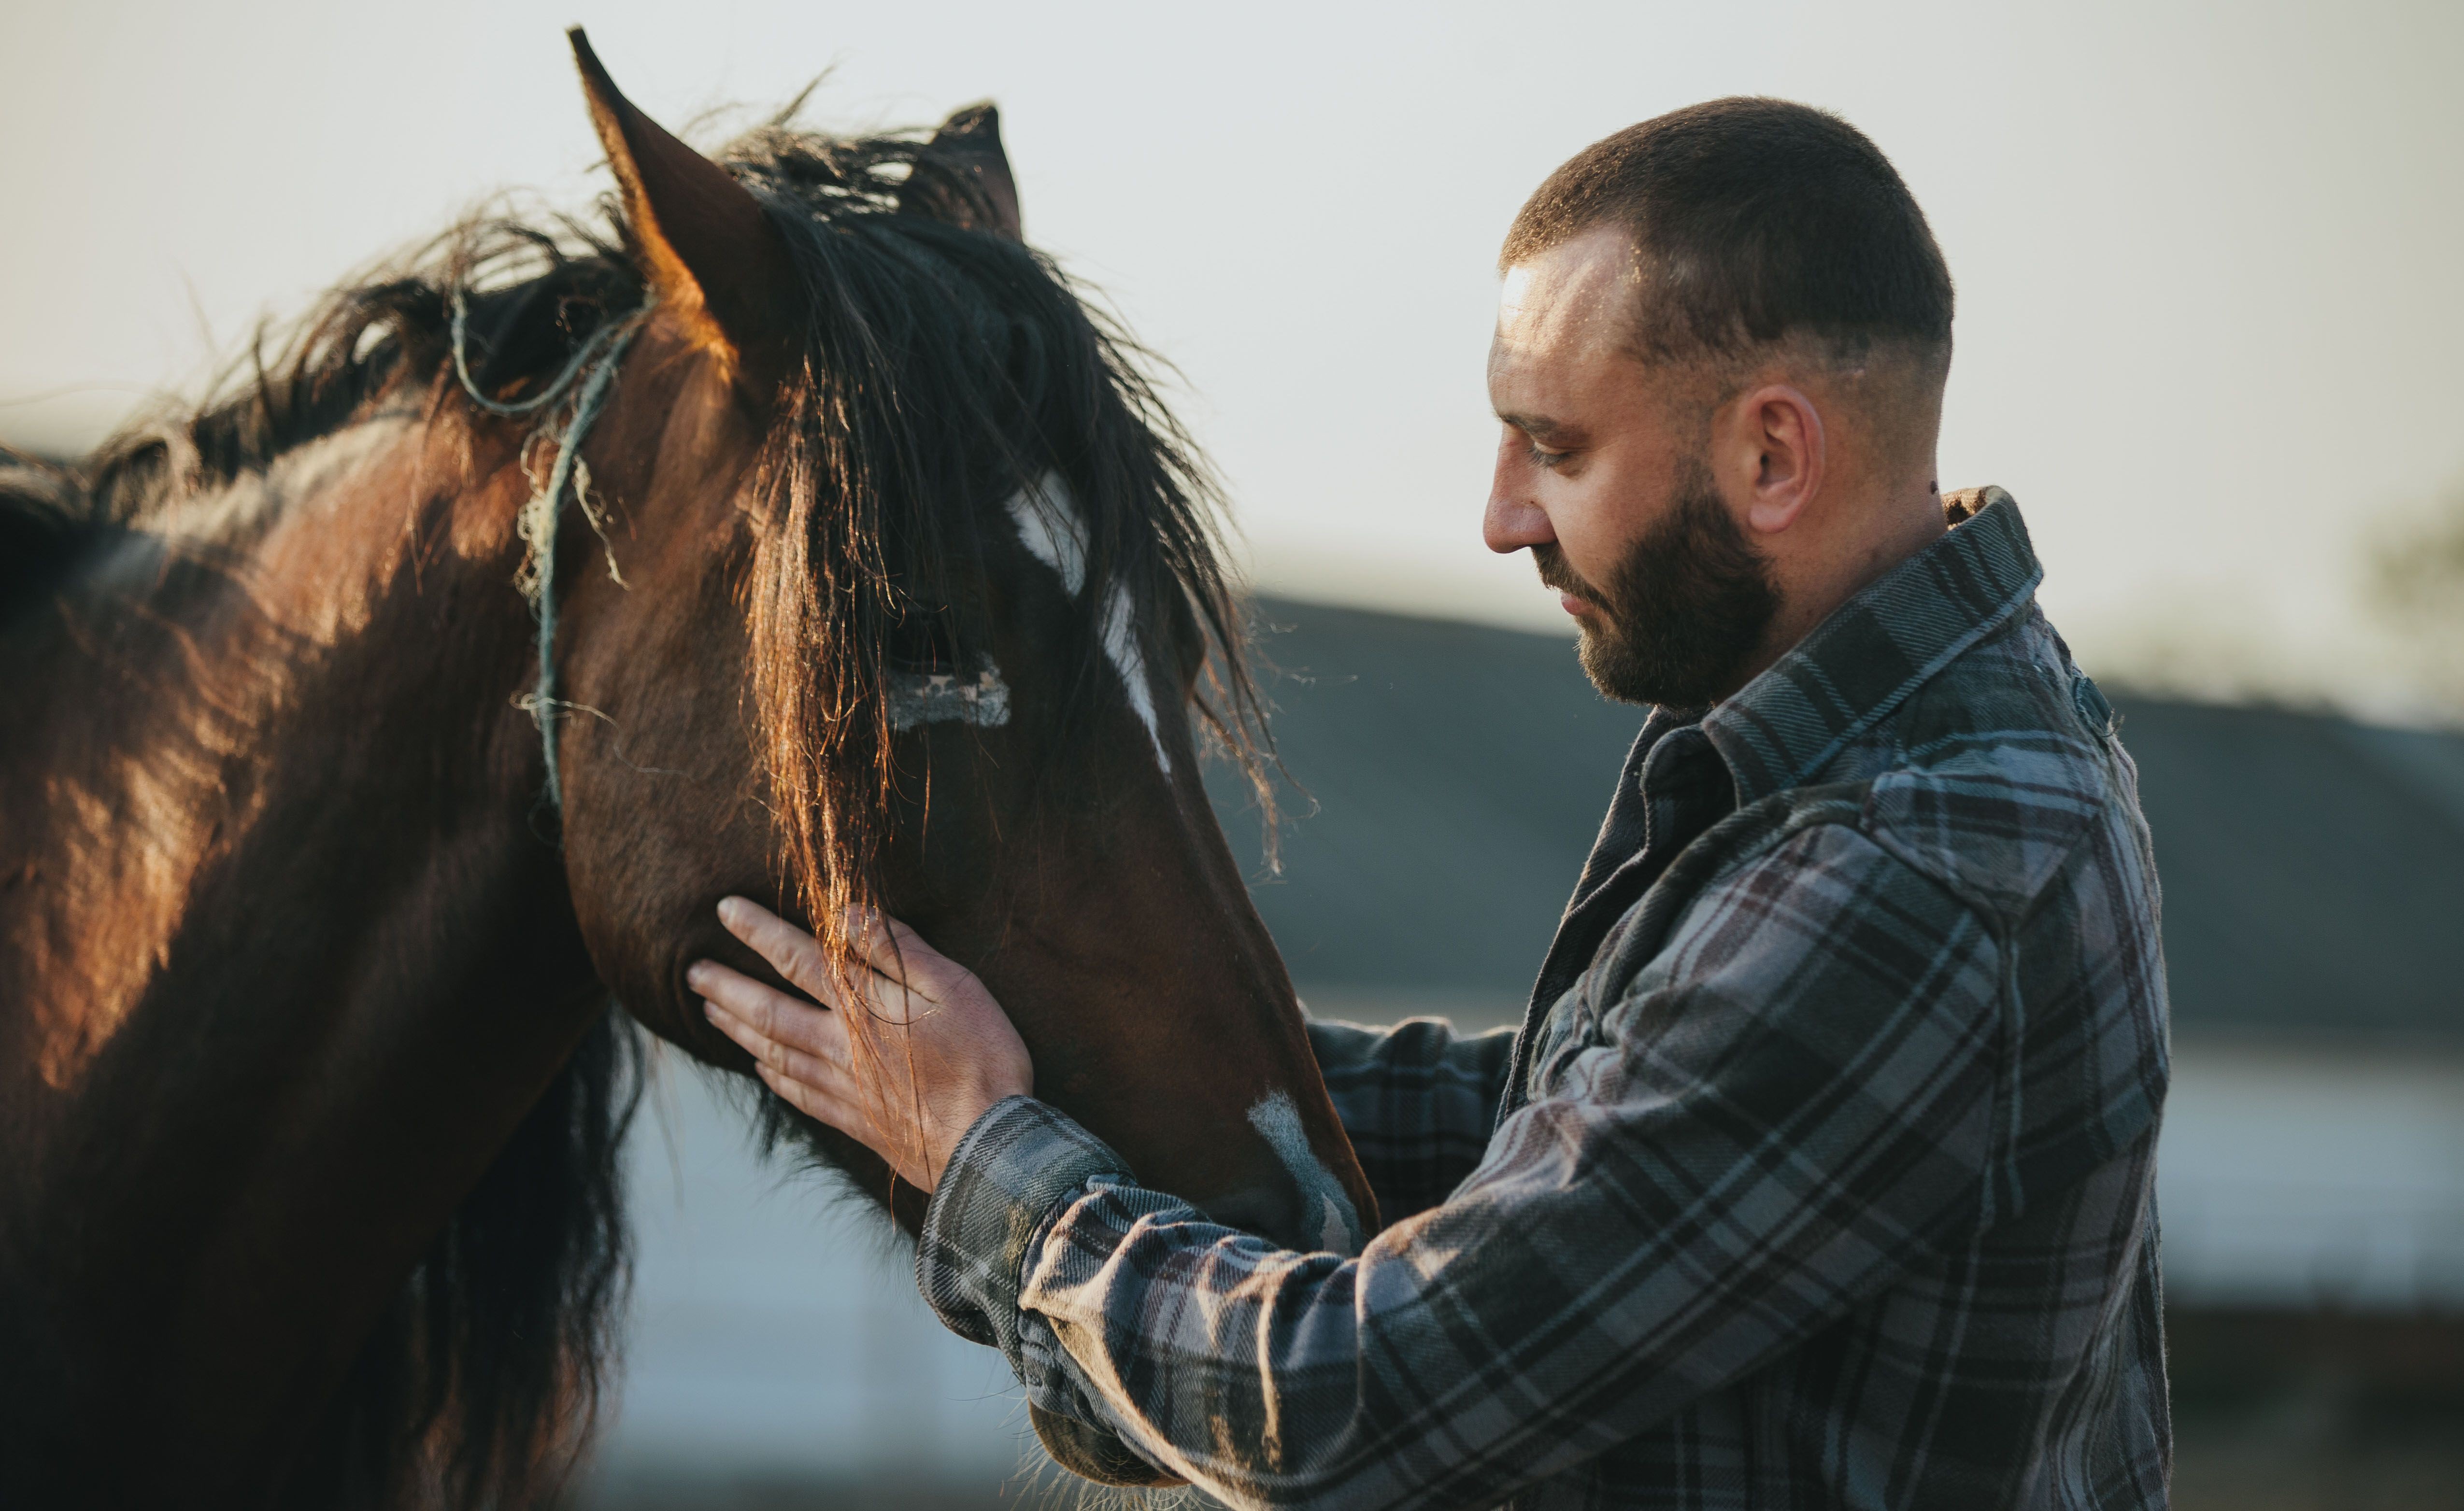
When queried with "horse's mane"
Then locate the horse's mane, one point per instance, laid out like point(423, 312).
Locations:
point(382, 337)
point(945, 366)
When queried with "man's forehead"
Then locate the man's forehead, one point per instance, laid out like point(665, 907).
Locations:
point(1575, 294)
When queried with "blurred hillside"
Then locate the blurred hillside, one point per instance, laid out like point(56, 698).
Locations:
point(2415, 587)
point(2397, 657)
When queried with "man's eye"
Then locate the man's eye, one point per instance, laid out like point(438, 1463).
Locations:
point(1541, 456)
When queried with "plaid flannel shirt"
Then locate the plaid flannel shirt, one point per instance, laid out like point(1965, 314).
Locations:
point(1819, 1175)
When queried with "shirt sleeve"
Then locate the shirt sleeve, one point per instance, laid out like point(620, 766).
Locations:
point(1790, 1106)
point(1418, 1101)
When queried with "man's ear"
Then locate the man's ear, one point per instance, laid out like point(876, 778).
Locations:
point(718, 266)
point(962, 176)
point(1781, 447)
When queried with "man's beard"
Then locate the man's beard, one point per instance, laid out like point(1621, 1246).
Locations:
point(1682, 614)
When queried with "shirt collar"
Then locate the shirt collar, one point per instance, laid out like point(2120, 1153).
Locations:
point(1864, 661)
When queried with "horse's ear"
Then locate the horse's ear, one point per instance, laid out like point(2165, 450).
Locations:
point(963, 176)
point(716, 261)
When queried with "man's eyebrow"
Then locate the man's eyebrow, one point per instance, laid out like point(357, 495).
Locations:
point(1538, 427)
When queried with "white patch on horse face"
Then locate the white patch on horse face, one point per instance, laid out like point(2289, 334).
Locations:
point(1049, 523)
point(940, 696)
point(1279, 1123)
point(1121, 644)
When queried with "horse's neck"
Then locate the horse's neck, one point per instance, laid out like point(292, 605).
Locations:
point(282, 960)
point(239, 711)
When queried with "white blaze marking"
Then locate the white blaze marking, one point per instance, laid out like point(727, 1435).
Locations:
point(1053, 530)
point(1121, 644)
point(1049, 523)
point(1279, 1123)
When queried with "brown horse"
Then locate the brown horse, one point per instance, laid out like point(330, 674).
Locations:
point(301, 1206)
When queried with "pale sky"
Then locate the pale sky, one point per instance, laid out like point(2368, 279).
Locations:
point(2210, 256)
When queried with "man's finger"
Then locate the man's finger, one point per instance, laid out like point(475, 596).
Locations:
point(900, 955)
point(773, 1014)
point(780, 1015)
point(876, 936)
point(820, 1071)
point(852, 1118)
point(791, 951)
point(819, 1106)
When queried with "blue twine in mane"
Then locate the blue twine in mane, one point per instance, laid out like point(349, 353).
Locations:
point(594, 366)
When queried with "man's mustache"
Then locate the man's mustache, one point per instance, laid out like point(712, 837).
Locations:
point(1555, 573)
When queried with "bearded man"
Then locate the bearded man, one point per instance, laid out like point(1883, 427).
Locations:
point(1820, 1171)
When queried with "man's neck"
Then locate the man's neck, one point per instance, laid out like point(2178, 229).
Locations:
point(1868, 539)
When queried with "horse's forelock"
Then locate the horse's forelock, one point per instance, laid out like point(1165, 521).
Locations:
point(945, 368)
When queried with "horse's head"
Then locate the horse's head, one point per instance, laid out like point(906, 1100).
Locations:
point(919, 597)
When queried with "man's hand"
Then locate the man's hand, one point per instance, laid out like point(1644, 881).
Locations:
point(938, 1050)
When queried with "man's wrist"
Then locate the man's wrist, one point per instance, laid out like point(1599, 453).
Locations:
point(965, 1114)
point(1008, 1174)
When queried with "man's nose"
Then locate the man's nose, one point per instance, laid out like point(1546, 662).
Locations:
point(1512, 522)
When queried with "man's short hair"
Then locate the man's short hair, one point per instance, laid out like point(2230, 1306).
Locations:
point(1753, 220)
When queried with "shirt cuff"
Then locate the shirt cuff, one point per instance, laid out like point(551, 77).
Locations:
point(1004, 1181)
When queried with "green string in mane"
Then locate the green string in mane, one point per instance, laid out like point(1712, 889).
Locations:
point(594, 368)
